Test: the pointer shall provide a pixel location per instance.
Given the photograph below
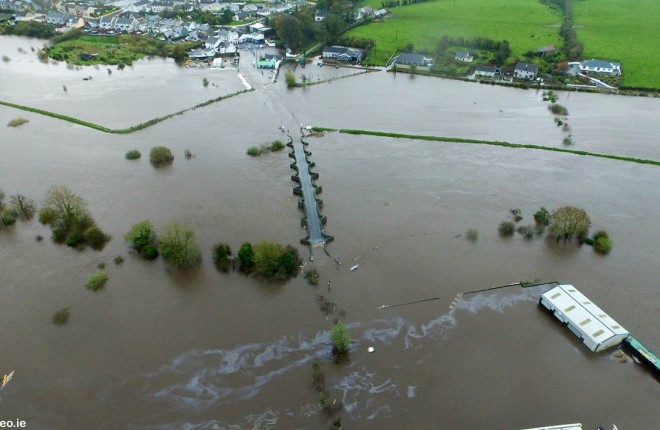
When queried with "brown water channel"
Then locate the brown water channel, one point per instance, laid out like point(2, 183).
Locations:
point(157, 348)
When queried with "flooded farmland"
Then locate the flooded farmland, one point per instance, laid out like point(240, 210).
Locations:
point(158, 348)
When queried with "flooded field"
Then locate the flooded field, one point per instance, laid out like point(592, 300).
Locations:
point(158, 348)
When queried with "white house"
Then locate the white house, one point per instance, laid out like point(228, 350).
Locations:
point(126, 24)
point(413, 59)
point(586, 320)
point(107, 23)
point(601, 66)
point(342, 53)
point(525, 71)
point(380, 13)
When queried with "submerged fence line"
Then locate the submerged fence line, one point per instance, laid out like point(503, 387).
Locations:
point(487, 142)
point(128, 130)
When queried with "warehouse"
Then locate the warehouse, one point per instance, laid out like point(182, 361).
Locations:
point(586, 320)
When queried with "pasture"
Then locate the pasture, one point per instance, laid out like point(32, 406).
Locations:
point(526, 24)
point(625, 31)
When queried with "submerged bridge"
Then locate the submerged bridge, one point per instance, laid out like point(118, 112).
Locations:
point(310, 204)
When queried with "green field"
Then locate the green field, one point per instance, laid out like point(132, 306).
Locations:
point(526, 24)
point(623, 30)
point(119, 49)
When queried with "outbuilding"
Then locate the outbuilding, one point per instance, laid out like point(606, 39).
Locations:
point(586, 320)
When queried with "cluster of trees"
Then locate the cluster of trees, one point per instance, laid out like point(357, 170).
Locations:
point(269, 260)
point(19, 207)
point(501, 49)
point(565, 223)
point(397, 3)
point(70, 222)
point(299, 29)
point(30, 29)
point(572, 47)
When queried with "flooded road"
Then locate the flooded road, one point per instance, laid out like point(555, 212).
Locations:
point(157, 348)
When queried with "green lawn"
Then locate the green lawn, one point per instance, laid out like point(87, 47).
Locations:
point(623, 30)
point(526, 24)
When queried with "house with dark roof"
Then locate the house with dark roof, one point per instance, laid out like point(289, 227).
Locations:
point(413, 59)
point(488, 71)
point(525, 71)
point(601, 66)
point(463, 56)
point(342, 53)
point(126, 24)
point(107, 23)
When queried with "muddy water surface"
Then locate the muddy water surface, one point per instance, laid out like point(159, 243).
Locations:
point(158, 348)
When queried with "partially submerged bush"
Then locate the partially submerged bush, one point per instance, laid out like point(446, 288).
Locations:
point(141, 236)
point(179, 246)
point(133, 154)
point(61, 316)
point(277, 145)
point(527, 231)
point(17, 121)
point(7, 217)
point(472, 235)
point(341, 340)
point(160, 155)
point(97, 280)
point(96, 238)
point(254, 151)
point(602, 242)
point(542, 217)
point(222, 256)
point(246, 257)
point(558, 109)
point(274, 261)
point(21, 206)
point(507, 228)
point(312, 277)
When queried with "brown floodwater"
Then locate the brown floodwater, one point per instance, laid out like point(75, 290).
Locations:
point(163, 349)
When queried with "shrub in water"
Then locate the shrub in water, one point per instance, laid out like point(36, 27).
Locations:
point(222, 256)
point(277, 145)
point(150, 252)
point(118, 260)
point(96, 281)
point(62, 316)
point(341, 340)
point(527, 231)
point(542, 217)
point(160, 155)
point(507, 228)
point(603, 245)
point(254, 151)
point(96, 238)
point(472, 235)
point(16, 122)
point(133, 154)
point(8, 218)
point(74, 238)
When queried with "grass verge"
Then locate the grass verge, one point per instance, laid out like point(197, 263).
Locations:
point(120, 130)
point(488, 142)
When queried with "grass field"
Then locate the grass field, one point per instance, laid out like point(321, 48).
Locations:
point(526, 24)
point(119, 49)
point(623, 30)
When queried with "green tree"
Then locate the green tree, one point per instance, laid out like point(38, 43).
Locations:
point(569, 222)
point(246, 257)
point(179, 247)
point(341, 340)
point(333, 26)
point(268, 258)
point(222, 256)
point(289, 31)
point(290, 79)
point(542, 217)
point(160, 155)
point(141, 235)
point(227, 16)
point(67, 215)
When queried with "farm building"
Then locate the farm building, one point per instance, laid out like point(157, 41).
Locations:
point(586, 320)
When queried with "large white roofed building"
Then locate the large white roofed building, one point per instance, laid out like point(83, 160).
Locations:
point(586, 320)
